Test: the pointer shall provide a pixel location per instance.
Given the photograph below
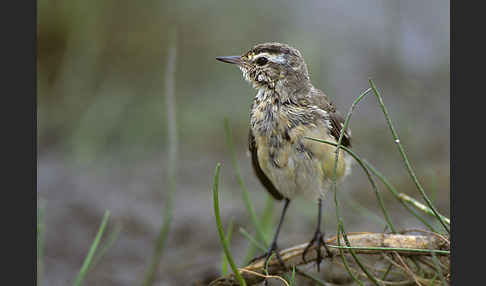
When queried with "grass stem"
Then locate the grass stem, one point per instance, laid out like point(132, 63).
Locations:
point(171, 162)
point(106, 245)
point(404, 157)
point(89, 258)
point(252, 240)
point(246, 198)
point(340, 229)
point(421, 207)
point(228, 238)
point(219, 225)
point(389, 186)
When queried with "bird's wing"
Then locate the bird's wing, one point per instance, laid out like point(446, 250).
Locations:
point(258, 171)
point(330, 130)
point(320, 99)
point(337, 124)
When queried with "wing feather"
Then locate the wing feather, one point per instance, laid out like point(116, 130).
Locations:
point(337, 124)
point(258, 170)
point(320, 99)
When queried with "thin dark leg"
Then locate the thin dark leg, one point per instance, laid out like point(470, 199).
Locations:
point(318, 238)
point(273, 245)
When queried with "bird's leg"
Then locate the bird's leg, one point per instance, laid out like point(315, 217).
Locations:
point(317, 239)
point(273, 246)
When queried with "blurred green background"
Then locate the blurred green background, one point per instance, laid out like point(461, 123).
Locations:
point(102, 120)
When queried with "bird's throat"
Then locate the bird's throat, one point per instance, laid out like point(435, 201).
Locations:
point(265, 112)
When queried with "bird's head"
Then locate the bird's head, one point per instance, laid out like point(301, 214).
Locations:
point(271, 66)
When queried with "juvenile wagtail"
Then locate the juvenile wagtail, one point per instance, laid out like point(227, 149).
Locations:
point(287, 108)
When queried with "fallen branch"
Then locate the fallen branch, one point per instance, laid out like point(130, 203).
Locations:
point(362, 243)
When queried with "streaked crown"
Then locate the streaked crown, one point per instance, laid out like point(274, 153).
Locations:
point(269, 64)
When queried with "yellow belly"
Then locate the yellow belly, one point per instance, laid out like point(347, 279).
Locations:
point(300, 166)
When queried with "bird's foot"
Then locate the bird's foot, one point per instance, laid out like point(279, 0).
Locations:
point(318, 239)
point(273, 248)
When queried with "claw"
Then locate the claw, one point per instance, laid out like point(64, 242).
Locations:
point(307, 247)
point(319, 240)
point(268, 254)
point(273, 248)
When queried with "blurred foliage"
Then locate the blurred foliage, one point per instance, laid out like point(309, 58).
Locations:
point(101, 67)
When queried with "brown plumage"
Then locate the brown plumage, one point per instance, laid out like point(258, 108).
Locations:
point(286, 109)
point(258, 171)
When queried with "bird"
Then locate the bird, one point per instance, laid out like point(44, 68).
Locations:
point(286, 109)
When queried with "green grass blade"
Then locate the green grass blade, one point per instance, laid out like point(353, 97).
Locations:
point(222, 236)
point(266, 223)
point(421, 207)
point(343, 258)
point(358, 261)
point(340, 228)
point(252, 240)
point(163, 234)
point(439, 269)
point(395, 193)
point(246, 199)
point(432, 281)
point(106, 245)
point(387, 272)
point(228, 238)
point(89, 258)
point(267, 217)
point(382, 178)
point(292, 277)
point(404, 157)
point(159, 247)
point(370, 178)
point(266, 264)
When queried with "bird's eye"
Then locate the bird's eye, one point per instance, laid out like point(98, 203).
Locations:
point(261, 61)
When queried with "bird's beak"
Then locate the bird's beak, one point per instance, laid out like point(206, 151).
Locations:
point(231, 60)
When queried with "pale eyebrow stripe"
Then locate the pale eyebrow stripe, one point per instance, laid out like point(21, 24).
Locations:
point(271, 57)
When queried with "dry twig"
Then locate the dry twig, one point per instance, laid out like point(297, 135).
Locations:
point(362, 243)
